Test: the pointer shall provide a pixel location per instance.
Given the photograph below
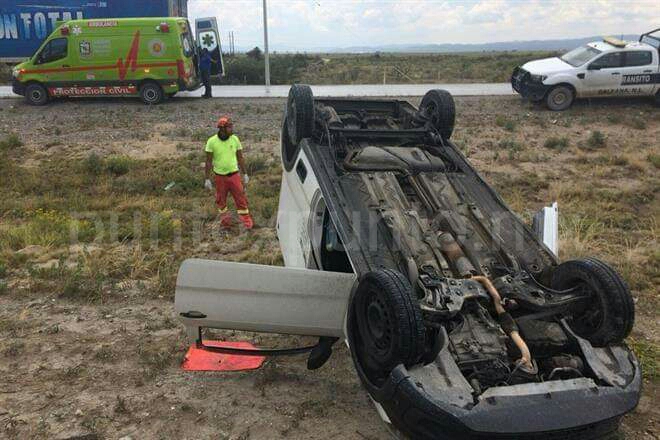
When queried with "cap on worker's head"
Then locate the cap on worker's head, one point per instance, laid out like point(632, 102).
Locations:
point(224, 121)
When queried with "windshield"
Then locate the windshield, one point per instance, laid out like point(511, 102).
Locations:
point(579, 56)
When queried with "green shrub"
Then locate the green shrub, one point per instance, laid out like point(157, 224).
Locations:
point(512, 147)
point(596, 140)
point(118, 165)
point(93, 164)
point(256, 163)
point(637, 123)
point(46, 228)
point(505, 123)
point(10, 142)
point(185, 179)
point(654, 159)
point(556, 143)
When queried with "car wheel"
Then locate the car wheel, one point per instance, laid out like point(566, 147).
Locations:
point(300, 113)
point(151, 93)
point(559, 98)
point(609, 314)
point(36, 94)
point(657, 99)
point(389, 330)
point(438, 108)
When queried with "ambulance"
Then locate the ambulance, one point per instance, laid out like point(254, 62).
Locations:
point(152, 58)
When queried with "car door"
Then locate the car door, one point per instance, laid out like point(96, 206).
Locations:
point(637, 74)
point(52, 62)
point(603, 76)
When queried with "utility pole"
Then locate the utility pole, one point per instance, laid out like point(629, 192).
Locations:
point(266, 59)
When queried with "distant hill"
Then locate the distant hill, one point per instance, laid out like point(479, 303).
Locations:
point(530, 45)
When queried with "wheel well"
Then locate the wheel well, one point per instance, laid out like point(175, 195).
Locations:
point(34, 81)
point(289, 151)
point(147, 81)
point(569, 85)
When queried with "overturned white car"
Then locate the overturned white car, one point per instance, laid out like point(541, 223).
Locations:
point(461, 323)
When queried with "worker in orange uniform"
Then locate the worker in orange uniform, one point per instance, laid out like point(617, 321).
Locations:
point(224, 156)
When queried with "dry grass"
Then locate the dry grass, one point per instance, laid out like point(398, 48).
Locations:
point(109, 303)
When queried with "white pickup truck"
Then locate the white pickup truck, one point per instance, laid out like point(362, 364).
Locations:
point(599, 69)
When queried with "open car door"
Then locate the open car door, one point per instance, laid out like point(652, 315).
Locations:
point(208, 37)
point(259, 298)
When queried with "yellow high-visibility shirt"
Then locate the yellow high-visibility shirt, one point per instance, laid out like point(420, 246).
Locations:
point(224, 153)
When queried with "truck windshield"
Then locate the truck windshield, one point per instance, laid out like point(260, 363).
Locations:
point(579, 56)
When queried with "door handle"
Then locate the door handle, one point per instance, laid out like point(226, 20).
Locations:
point(193, 315)
point(616, 73)
point(648, 71)
point(65, 65)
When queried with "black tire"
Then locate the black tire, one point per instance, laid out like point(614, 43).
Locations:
point(657, 99)
point(300, 113)
point(559, 98)
point(151, 93)
point(610, 313)
point(36, 94)
point(439, 108)
point(389, 329)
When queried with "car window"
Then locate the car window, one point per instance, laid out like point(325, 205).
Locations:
point(188, 45)
point(609, 60)
point(638, 58)
point(579, 56)
point(56, 49)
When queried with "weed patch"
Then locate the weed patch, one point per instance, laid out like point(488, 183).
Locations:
point(10, 142)
point(596, 139)
point(556, 143)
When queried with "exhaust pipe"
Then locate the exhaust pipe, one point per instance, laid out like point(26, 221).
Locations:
point(509, 325)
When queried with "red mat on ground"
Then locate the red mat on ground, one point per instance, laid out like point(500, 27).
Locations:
point(201, 360)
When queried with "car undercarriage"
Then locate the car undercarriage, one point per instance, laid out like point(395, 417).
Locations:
point(456, 294)
point(461, 323)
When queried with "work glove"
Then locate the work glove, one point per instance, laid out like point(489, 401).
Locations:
point(246, 179)
point(208, 185)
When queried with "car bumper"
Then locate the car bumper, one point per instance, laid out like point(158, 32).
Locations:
point(521, 83)
point(17, 87)
point(579, 413)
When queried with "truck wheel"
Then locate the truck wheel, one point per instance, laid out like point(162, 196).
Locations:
point(36, 94)
point(389, 330)
point(300, 113)
point(559, 98)
point(438, 107)
point(151, 93)
point(610, 312)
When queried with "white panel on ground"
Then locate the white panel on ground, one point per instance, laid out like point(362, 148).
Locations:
point(546, 226)
point(259, 298)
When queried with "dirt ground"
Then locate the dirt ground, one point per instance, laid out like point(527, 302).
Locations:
point(89, 343)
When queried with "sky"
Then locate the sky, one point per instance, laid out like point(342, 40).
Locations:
point(313, 24)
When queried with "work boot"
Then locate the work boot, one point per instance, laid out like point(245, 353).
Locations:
point(226, 221)
point(247, 221)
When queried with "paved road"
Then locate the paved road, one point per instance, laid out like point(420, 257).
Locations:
point(341, 90)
